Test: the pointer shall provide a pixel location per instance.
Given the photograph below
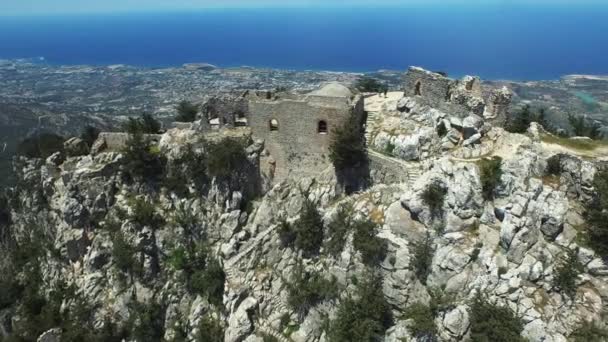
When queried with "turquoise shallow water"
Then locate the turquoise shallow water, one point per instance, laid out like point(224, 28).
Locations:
point(497, 42)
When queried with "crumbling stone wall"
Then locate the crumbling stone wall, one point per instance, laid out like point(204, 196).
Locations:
point(296, 147)
point(227, 108)
point(498, 106)
point(456, 97)
point(434, 88)
point(117, 141)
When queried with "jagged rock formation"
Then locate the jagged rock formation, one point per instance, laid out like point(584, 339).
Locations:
point(177, 241)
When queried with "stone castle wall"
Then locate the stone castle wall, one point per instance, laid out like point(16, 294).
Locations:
point(456, 97)
point(117, 141)
point(434, 88)
point(297, 147)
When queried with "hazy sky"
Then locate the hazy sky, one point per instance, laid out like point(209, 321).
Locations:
point(23, 7)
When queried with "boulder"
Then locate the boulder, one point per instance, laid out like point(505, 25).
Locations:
point(474, 139)
point(400, 222)
point(456, 322)
point(471, 125)
point(240, 324)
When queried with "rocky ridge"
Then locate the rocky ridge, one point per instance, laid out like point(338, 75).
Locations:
point(506, 249)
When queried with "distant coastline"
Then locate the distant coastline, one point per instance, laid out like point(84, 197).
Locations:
point(209, 67)
point(530, 44)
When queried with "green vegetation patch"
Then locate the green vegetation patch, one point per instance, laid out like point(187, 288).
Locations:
point(225, 156)
point(434, 196)
point(490, 172)
point(338, 229)
point(186, 112)
point(490, 322)
point(372, 248)
point(597, 216)
point(309, 289)
point(363, 317)
point(422, 258)
point(306, 234)
point(588, 332)
point(567, 272)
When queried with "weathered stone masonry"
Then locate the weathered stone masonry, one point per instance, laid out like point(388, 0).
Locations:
point(298, 131)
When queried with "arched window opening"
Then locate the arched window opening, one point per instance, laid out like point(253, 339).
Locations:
point(273, 125)
point(417, 89)
point(322, 127)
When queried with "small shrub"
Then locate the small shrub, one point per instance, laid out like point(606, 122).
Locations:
point(422, 258)
point(144, 214)
point(567, 272)
point(178, 259)
point(554, 167)
point(209, 330)
point(423, 321)
point(189, 168)
point(141, 159)
point(442, 130)
point(440, 301)
point(338, 229)
point(146, 322)
point(89, 135)
point(493, 323)
point(589, 332)
point(308, 290)
point(41, 145)
point(145, 124)
point(364, 317)
point(347, 149)
point(521, 120)
point(210, 282)
point(490, 172)
point(186, 112)
point(372, 248)
point(123, 254)
point(187, 220)
point(597, 216)
point(309, 230)
point(434, 196)
point(370, 85)
point(390, 147)
point(287, 236)
point(581, 127)
point(224, 157)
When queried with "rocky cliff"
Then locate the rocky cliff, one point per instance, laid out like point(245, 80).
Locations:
point(203, 253)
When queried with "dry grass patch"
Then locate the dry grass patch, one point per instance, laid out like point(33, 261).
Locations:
point(576, 144)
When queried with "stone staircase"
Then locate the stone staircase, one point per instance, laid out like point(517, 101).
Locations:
point(413, 170)
point(413, 173)
point(252, 244)
point(264, 325)
point(370, 124)
point(266, 329)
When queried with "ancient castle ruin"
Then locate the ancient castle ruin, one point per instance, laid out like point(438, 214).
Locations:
point(456, 97)
point(297, 129)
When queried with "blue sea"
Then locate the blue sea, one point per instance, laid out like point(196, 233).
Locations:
point(498, 42)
